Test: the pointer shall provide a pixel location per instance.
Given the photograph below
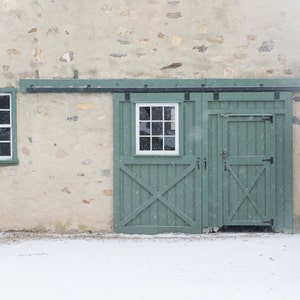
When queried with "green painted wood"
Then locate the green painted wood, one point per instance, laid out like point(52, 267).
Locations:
point(156, 193)
point(206, 163)
point(247, 194)
point(170, 194)
point(283, 180)
point(276, 177)
point(153, 83)
point(109, 83)
point(278, 82)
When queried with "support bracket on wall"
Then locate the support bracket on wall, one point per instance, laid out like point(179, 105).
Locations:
point(187, 96)
point(277, 95)
point(216, 96)
point(127, 95)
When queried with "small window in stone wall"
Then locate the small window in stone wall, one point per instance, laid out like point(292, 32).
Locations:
point(157, 129)
point(7, 128)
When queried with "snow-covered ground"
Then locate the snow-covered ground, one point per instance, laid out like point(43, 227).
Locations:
point(212, 266)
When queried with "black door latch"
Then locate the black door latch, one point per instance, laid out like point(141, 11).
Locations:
point(270, 160)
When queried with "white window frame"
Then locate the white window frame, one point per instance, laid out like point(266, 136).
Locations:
point(176, 121)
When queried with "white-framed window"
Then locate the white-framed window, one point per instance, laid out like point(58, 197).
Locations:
point(7, 127)
point(157, 129)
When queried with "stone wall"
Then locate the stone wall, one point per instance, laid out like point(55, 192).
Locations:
point(64, 179)
point(149, 39)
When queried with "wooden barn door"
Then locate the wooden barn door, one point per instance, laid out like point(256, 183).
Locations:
point(157, 164)
point(248, 157)
point(194, 164)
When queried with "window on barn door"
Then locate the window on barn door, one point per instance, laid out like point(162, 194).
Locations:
point(7, 128)
point(157, 128)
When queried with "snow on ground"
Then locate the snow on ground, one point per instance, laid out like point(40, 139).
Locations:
point(176, 266)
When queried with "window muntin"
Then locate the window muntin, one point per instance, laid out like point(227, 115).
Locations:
point(157, 128)
point(6, 132)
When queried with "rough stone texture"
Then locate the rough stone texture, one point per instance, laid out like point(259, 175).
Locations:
point(107, 37)
point(60, 136)
point(175, 15)
point(266, 46)
point(201, 49)
point(63, 165)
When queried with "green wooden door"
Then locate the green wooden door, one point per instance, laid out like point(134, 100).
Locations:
point(247, 157)
point(157, 164)
point(194, 164)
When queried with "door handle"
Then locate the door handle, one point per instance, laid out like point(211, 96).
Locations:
point(198, 163)
point(225, 166)
point(205, 163)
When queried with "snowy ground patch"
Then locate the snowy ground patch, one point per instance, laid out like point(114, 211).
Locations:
point(176, 266)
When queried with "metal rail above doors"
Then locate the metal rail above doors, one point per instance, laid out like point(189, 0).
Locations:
point(185, 86)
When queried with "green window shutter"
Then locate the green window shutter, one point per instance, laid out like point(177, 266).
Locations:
point(8, 126)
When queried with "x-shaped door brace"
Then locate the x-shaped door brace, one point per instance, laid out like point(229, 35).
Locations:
point(246, 191)
point(157, 195)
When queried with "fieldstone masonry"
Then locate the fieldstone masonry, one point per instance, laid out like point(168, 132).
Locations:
point(64, 179)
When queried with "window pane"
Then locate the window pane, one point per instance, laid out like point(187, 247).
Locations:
point(144, 113)
point(157, 113)
point(157, 143)
point(170, 113)
point(144, 128)
point(4, 134)
point(170, 143)
point(4, 117)
point(157, 128)
point(156, 125)
point(170, 128)
point(4, 102)
point(4, 149)
point(144, 143)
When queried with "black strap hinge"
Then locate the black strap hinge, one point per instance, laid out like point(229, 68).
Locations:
point(268, 118)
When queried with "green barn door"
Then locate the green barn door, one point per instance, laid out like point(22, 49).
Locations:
point(247, 157)
point(157, 164)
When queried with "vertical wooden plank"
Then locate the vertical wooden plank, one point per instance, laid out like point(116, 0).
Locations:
point(287, 218)
point(202, 203)
point(252, 137)
point(117, 172)
point(270, 178)
point(128, 129)
point(152, 209)
point(215, 167)
point(191, 134)
point(222, 188)
point(171, 196)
